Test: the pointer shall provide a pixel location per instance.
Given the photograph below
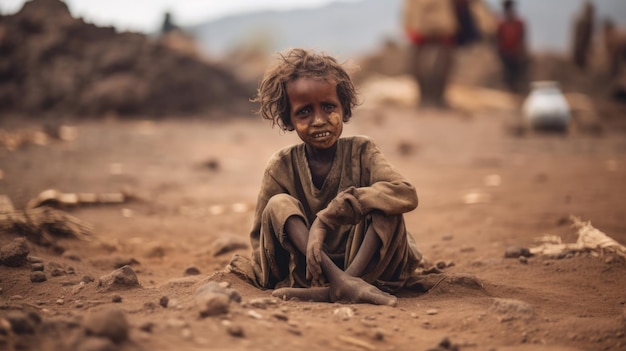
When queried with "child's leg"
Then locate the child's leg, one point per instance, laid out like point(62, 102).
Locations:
point(343, 285)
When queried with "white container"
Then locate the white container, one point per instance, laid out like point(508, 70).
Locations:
point(546, 108)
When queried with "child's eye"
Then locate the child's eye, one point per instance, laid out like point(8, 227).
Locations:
point(303, 112)
point(329, 107)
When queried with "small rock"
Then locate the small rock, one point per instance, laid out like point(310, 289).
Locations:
point(432, 312)
point(254, 314)
point(163, 301)
point(15, 253)
point(34, 259)
point(280, 316)
point(211, 304)
point(38, 277)
point(111, 324)
point(87, 279)
point(235, 330)
point(193, 270)
point(344, 313)
point(219, 288)
point(60, 301)
point(147, 327)
point(36, 267)
point(122, 278)
point(441, 265)
point(379, 334)
point(116, 298)
point(516, 252)
point(523, 259)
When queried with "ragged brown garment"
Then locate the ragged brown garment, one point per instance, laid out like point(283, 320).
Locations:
point(361, 189)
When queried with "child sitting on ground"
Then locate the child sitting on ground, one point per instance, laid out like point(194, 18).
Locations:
point(329, 220)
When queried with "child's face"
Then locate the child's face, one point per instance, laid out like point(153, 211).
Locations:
point(315, 111)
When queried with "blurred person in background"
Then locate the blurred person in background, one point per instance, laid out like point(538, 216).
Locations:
point(436, 28)
point(583, 34)
point(512, 49)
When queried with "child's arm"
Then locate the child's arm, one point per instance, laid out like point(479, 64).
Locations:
point(382, 188)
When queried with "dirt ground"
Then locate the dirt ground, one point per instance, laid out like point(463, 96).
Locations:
point(482, 190)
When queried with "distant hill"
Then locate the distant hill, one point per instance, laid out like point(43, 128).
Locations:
point(354, 28)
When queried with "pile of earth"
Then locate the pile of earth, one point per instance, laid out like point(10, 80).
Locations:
point(54, 63)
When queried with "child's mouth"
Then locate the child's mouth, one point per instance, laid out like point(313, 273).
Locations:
point(321, 135)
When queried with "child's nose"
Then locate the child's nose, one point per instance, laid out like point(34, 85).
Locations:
point(320, 117)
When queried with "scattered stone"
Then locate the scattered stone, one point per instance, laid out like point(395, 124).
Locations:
point(15, 253)
point(111, 324)
point(87, 279)
point(445, 345)
point(116, 298)
point(122, 278)
point(56, 269)
point(60, 301)
point(295, 331)
point(37, 267)
point(164, 301)
point(516, 252)
point(432, 311)
point(38, 277)
point(344, 313)
point(95, 344)
point(379, 334)
point(523, 259)
point(254, 314)
point(147, 327)
point(193, 270)
point(34, 259)
point(211, 303)
point(235, 330)
point(441, 265)
point(280, 316)
point(220, 288)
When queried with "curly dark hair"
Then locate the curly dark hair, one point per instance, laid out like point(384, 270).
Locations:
point(294, 64)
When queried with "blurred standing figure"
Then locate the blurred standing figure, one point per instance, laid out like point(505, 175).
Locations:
point(615, 45)
point(583, 33)
point(435, 29)
point(511, 45)
point(430, 26)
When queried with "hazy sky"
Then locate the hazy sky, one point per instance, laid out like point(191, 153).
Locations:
point(147, 15)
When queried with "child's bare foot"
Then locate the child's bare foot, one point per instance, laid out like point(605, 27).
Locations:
point(317, 294)
point(356, 290)
point(348, 290)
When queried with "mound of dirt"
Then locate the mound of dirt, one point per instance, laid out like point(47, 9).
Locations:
point(52, 62)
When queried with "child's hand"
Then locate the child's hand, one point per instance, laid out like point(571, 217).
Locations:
point(317, 234)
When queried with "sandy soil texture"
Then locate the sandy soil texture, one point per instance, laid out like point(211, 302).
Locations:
point(482, 189)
